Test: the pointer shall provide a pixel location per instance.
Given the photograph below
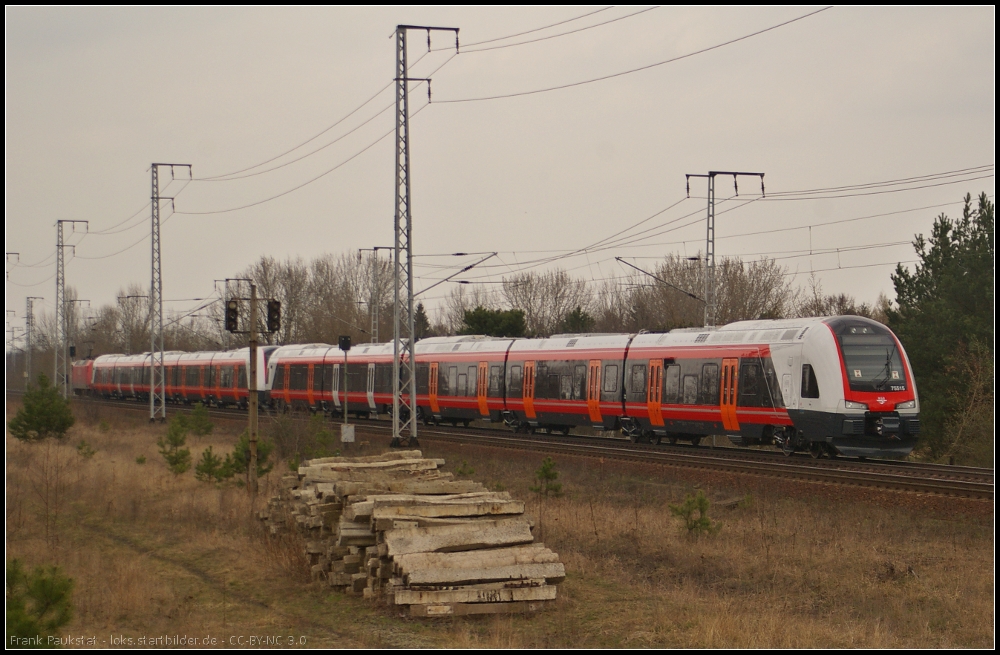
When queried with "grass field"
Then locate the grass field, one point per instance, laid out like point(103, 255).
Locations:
point(155, 555)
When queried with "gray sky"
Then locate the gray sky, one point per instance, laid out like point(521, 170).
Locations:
point(845, 97)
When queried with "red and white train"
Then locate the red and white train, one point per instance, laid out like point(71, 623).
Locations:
point(827, 385)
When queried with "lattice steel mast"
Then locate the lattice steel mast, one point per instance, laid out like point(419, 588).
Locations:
point(60, 378)
point(710, 302)
point(157, 371)
point(404, 380)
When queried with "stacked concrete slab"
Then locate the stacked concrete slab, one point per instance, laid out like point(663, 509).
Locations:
point(395, 528)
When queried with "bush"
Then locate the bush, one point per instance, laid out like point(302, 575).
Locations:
point(238, 462)
point(38, 604)
point(171, 446)
point(686, 510)
point(211, 468)
point(198, 422)
point(45, 414)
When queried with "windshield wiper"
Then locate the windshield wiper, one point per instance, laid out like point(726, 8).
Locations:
point(880, 385)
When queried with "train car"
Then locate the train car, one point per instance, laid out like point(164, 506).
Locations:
point(461, 379)
point(566, 381)
point(311, 376)
point(82, 376)
point(826, 385)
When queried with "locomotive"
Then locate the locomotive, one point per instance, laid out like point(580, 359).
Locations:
point(826, 385)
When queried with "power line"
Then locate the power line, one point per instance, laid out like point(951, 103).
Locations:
point(309, 140)
point(641, 68)
point(308, 182)
point(555, 36)
point(537, 29)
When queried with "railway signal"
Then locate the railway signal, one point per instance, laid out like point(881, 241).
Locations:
point(273, 315)
point(232, 314)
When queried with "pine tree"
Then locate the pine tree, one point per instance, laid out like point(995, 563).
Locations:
point(172, 446)
point(945, 310)
point(44, 414)
point(38, 603)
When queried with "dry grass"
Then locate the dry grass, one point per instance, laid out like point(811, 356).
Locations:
point(154, 554)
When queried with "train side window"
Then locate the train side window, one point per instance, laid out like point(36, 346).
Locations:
point(690, 390)
point(750, 383)
point(494, 381)
point(565, 387)
point(191, 376)
point(637, 388)
point(318, 377)
point(210, 376)
point(710, 384)
point(279, 377)
point(226, 377)
point(472, 381)
point(579, 382)
point(610, 378)
point(241, 377)
point(671, 384)
point(452, 381)
point(810, 387)
point(423, 378)
point(298, 377)
point(515, 380)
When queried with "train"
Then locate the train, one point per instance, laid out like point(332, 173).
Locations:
point(829, 386)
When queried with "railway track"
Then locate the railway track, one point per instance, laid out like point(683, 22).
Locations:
point(916, 477)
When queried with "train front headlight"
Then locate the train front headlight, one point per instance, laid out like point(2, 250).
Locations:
point(850, 404)
point(909, 404)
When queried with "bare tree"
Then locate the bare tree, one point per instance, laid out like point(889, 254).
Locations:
point(546, 298)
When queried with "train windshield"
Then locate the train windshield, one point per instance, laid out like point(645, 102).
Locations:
point(873, 362)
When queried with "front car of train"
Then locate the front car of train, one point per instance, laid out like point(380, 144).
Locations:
point(857, 393)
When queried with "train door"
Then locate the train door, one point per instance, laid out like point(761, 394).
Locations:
point(432, 388)
point(335, 386)
point(727, 399)
point(654, 393)
point(528, 389)
point(310, 377)
point(482, 384)
point(370, 387)
point(594, 393)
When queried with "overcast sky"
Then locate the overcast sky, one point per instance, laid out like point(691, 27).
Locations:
point(848, 96)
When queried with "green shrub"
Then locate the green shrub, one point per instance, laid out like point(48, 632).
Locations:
point(171, 446)
point(38, 604)
point(210, 468)
point(198, 422)
point(238, 462)
point(45, 413)
point(85, 450)
point(695, 524)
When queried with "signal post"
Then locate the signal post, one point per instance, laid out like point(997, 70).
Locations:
point(273, 325)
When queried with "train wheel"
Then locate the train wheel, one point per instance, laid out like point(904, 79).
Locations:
point(672, 440)
point(816, 450)
point(656, 439)
point(831, 452)
point(565, 431)
point(695, 441)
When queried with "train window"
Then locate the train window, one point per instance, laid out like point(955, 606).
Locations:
point(610, 378)
point(298, 377)
point(462, 381)
point(383, 379)
point(472, 380)
point(279, 377)
point(241, 377)
point(710, 384)
point(357, 378)
point(637, 388)
point(423, 376)
point(452, 381)
point(750, 385)
point(579, 381)
point(810, 387)
point(690, 390)
point(671, 384)
point(515, 380)
point(226, 377)
point(565, 387)
point(210, 376)
point(191, 376)
point(494, 381)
